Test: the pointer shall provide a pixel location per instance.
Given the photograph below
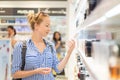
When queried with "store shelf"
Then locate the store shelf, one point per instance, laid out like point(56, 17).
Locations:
point(97, 16)
point(108, 23)
point(13, 20)
point(21, 33)
point(3, 32)
point(13, 16)
point(104, 18)
point(14, 24)
point(24, 33)
point(96, 70)
point(80, 10)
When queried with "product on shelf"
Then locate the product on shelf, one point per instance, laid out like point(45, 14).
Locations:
point(3, 21)
point(88, 48)
point(104, 35)
point(101, 52)
point(114, 62)
point(98, 25)
point(93, 4)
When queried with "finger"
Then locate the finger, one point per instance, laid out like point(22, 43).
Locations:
point(46, 72)
point(72, 42)
point(47, 69)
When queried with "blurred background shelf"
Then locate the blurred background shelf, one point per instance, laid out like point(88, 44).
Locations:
point(96, 70)
point(100, 26)
point(14, 24)
point(105, 9)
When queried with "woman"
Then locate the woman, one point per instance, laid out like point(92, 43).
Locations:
point(40, 57)
point(11, 31)
point(58, 43)
point(11, 34)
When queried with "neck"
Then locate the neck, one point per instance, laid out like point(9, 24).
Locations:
point(37, 38)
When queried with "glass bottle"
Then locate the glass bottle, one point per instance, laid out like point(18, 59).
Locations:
point(114, 62)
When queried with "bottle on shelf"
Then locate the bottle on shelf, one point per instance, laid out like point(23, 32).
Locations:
point(82, 72)
point(88, 48)
point(114, 62)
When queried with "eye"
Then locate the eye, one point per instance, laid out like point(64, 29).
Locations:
point(47, 25)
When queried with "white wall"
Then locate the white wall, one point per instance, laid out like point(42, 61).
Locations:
point(32, 4)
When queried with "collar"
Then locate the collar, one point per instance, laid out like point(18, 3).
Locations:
point(47, 43)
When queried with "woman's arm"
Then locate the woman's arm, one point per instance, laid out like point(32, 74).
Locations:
point(62, 64)
point(23, 74)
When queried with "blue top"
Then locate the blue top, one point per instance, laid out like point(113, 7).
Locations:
point(35, 59)
point(58, 50)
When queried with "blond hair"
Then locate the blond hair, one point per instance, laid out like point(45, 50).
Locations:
point(36, 18)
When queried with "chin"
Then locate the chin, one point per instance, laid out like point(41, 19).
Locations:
point(44, 35)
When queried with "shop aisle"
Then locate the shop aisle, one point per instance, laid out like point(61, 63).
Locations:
point(61, 77)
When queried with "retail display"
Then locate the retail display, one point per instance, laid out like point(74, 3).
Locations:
point(15, 14)
point(19, 23)
point(96, 31)
point(95, 24)
point(22, 27)
point(5, 59)
point(18, 18)
point(88, 48)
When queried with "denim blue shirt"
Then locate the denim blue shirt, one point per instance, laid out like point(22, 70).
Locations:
point(35, 59)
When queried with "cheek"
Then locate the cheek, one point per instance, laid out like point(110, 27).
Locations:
point(40, 29)
point(10, 31)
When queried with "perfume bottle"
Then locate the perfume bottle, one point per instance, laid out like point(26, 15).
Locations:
point(88, 48)
point(114, 62)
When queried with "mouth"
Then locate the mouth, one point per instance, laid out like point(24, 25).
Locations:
point(47, 32)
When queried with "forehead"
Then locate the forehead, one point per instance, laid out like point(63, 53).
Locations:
point(9, 29)
point(46, 19)
point(57, 33)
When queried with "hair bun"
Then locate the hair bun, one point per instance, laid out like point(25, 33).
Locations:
point(31, 17)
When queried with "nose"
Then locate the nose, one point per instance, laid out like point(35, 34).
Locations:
point(49, 29)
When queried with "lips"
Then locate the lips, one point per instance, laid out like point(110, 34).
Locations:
point(47, 32)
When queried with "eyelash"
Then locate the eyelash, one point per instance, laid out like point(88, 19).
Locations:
point(47, 25)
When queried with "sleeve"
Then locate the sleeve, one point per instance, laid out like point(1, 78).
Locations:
point(55, 60)
point(16, 61)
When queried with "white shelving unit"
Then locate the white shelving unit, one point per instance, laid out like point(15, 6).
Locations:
point(20, 24)
point(104, 18)
point(108, 10)
point(22, 33)
point(14, 24)
point(96, 70)
point(13, 20)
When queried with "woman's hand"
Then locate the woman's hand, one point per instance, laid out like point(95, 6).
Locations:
point(58, 44)
point(43, 70)
point(71, 46)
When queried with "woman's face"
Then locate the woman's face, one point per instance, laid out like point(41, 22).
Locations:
point(44, 27)
point(57, 36)
point(10, 31)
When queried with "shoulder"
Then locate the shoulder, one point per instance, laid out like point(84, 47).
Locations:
point(49, 42)
point(18, 44)
point(17, 48)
